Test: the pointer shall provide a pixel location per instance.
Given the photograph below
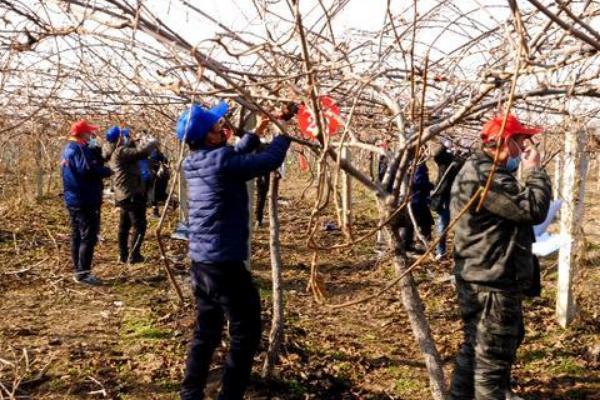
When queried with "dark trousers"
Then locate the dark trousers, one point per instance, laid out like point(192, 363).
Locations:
point(442, 222)
point(493, 330)
point(133, 214)
point(222, 291)
point(262, 191)
point(85, 225)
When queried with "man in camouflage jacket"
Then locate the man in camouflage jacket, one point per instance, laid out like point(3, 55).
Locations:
point(494, 264)
point(125, 155)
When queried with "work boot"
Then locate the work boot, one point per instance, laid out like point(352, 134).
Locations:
point(87, 279)
point(123, 258)
point(136, 259)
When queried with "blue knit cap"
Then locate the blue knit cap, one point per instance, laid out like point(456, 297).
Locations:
point(198, 121)
point(112, 134)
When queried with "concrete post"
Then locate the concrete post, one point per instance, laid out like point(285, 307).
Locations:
point(575, 171)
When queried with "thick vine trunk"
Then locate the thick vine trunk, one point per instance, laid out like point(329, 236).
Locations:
point(418, 321)
point(276, 334)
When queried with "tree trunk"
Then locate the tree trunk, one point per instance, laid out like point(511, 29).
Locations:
point(575, 171)
point(416, 314)
point(276, 334)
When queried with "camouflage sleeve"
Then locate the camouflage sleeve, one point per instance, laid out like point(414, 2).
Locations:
point(132, 154)
point(464, 186)
point(526, 205)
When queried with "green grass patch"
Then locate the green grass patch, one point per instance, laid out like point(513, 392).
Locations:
point(549, 293)
point(265, 293)
point(295, 388)
point(58, 385)
point(552, 276)
point(593, 246)
point(406, 385)
point(143, 328)
point(531, 356)
point(339, 356)
point(344, 369)
point(532, 360)
point(405, 381)
point(568, 366)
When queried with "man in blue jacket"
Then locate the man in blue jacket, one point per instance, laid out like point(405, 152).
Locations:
point(216, 176)
point(82, 172)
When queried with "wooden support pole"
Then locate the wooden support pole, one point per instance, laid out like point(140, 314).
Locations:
point(575, 171)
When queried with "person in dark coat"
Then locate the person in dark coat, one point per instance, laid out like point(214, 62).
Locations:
point(83, 170)
point(494, 264)
point(156, 186)
point(401, 222)
point(420, 203)
point(130, 193)
point(216, 176)
point(262, 191)
point(448, 166)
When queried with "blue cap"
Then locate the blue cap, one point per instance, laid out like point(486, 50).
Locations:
point(112, 134)
point(198, 121)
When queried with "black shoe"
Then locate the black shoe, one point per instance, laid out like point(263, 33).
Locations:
point(87, 279)
point(136, 259)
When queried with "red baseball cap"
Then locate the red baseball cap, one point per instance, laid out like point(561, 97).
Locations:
point(82, 126)
point(513, 127)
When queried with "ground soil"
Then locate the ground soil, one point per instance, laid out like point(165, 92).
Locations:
point(127, 338)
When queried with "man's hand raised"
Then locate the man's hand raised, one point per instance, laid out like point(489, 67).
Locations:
point(531, 158)
point(262, 125)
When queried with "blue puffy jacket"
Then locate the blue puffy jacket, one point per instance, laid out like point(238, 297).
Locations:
point(145, 170)
point(82, 172)
point(218, 198)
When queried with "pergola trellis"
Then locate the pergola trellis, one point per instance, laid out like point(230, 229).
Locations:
point(428, 69)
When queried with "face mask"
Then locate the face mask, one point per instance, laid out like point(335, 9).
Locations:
point(92, 143)
point(512, 164)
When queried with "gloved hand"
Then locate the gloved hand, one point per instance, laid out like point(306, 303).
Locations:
point(288, 111)
point(151, 140)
